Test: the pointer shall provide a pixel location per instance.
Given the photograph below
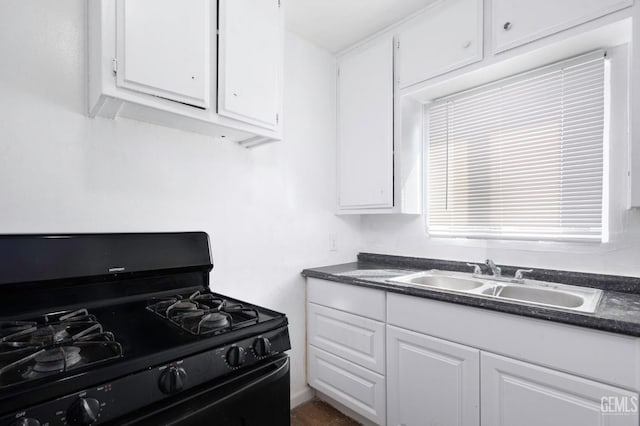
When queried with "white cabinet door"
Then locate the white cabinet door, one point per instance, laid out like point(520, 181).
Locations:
point(358, 339)
point(365, 128)
point(446, 37)
point(516, 22)
point(250, 62)
point(431, 381)
point(163, 48)
point(516, 393)
point(359, 389)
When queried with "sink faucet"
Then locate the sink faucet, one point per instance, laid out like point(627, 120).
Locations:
point(495, 270)
point(496, 273)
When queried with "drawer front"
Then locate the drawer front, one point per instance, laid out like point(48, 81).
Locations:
point(359, 389)
point(358, 339)
point(367, 302)
point(568, 348)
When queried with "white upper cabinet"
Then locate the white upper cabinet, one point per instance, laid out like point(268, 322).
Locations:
point(365, 127)
point(207, 66)
point(250, 71)
point(158, 57)
point(516, 22)
point(445, 37)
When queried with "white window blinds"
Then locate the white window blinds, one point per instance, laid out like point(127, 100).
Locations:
point(521, 158)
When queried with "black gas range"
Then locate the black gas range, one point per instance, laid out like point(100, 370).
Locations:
point(123, 329)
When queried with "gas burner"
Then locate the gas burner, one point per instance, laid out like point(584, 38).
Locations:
point(204, 313)
point(57, 359)
point(211, 300)
point(52, 344)
point(214, 320)
point(185, 309)
point(49, 334)
point(181, 306)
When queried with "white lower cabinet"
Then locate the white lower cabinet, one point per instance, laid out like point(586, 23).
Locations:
point(516, 393)
point(346, 346)
point(356, 387)
point(352, 337)
point(431, 381)
point(442, 366)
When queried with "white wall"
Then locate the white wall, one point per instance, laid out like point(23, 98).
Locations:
point(269, 211)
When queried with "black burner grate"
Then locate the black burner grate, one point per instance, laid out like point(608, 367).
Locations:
point(204, 313)
point(57, 343)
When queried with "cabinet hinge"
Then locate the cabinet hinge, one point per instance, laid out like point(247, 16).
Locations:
point(338, 72)
point(277, 118)
point(397, 44)
point(114, 65)
point(279, 3)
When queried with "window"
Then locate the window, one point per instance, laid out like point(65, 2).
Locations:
point(521, 158)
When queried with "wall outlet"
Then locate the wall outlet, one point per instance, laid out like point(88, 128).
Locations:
point(333, 243)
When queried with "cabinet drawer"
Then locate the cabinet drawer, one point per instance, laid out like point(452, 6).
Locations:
point(572, 349)
point(516, 393)
point(359, 389)
point(366, 302)
point(446, 37)
point(516, 22)
point(355, 338)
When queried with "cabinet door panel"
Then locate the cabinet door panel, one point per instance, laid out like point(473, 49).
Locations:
point(365, 128)
point(431, 381)
point(357, 388)
point(516, 22)
point(250, 65)
point(516, 393)
point(448, 36)
point(163, 48)
point(355, 338)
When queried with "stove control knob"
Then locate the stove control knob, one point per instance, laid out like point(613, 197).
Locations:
point(83, 412)
point(235, 356)
point(261, 347)
point(24, 421)
point(172, 380)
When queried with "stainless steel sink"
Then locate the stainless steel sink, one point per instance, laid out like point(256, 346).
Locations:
point(546, 297)
point(449, 283)
point(551, 295)
point(437, 280)
point(547, 294)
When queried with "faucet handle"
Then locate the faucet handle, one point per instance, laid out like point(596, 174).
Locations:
point(519, 273)
point(476, 268)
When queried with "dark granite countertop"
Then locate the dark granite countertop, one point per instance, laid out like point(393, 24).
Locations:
point(617, 312)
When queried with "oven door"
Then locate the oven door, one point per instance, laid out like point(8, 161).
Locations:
point(259, 397)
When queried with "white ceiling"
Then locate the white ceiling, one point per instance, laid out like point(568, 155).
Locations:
point(337, 24)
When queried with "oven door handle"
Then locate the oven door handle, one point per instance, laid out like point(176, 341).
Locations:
point(277, 372)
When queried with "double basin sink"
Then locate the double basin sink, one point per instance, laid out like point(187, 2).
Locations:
point(551, 295)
